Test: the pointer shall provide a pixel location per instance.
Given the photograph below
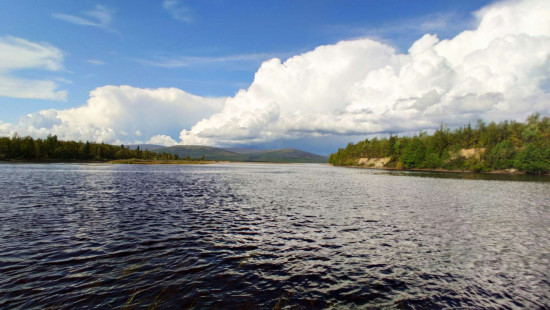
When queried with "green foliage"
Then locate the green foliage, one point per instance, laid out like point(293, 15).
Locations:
point(432, 161)
point(51, 149)
point(455, 163)
point(524, 146)
point(502, 155)
point(533, 159)
point(414, 154)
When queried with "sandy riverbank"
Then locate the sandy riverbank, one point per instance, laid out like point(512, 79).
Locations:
point(503, 171)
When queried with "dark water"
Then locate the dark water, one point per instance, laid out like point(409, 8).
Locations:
point(269, 237)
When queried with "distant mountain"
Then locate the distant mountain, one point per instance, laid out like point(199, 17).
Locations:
point(241, 150)
point(286, 156)
point(149, 147)
point(197, 151)
point(244, 155)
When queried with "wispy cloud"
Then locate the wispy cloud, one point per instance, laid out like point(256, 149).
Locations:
point(188, 61)
point(95, 62)
point(62, 80)
point(178, 11)
point(444, 24)
point(100, 17)
point(17, 54)
point(235, 62)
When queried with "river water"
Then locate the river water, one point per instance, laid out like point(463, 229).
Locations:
point(267, 236)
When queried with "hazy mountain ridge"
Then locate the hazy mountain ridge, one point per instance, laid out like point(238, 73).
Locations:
point(197, 151)
point(287, 155)
point(242, 150)
point(143, 147)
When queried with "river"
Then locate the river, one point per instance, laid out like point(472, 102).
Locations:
point(269, 236)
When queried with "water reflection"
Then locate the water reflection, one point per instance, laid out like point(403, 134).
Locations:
point(269, 236)
point(469, 176)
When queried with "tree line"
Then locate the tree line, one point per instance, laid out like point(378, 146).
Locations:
point(509, 144)
point(51, 149)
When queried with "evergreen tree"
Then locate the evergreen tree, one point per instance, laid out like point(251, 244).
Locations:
point(524, 146)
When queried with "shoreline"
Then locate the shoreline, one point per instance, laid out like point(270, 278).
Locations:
point(145, 162)
point(209, 162)
point(441, 170)
point(158, 162)
point(114, 162)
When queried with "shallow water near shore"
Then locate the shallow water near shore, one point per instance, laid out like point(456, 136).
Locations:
point(270, 236)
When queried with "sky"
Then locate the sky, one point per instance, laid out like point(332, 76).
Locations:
point(313, 75)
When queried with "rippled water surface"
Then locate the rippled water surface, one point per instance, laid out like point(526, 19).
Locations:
point(269, 237)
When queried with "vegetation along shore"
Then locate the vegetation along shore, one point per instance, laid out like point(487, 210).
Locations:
point(27, 149)
point(51, 150)
point(505, 147)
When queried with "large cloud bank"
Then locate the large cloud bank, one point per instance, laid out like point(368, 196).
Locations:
point(122, 114)
point(499, 70)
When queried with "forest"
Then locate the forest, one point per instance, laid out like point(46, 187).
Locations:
point(51, 149)
point(498, 146)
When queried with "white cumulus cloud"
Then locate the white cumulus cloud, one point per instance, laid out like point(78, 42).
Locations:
point(162, 140)
point(18, 54)
point(121, 114)
point(496, 71)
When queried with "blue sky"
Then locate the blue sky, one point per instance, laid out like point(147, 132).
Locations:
point(204, 48)
point(142, 36)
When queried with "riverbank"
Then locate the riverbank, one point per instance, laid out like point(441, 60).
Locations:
point(511, 171)
point(50, 161)
point(116, 162)
point(160, 162)
point(134, 161)
point(187, 162)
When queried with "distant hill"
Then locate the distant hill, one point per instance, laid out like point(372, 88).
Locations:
point(285, 155)
point(197, 151)
point(244, 155)
point(241, 150)
point(149, 147)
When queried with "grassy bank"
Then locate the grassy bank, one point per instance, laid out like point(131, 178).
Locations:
point(510, 171)
point(159, 162)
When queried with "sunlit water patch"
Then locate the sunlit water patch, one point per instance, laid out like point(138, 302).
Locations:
point(269, 236)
